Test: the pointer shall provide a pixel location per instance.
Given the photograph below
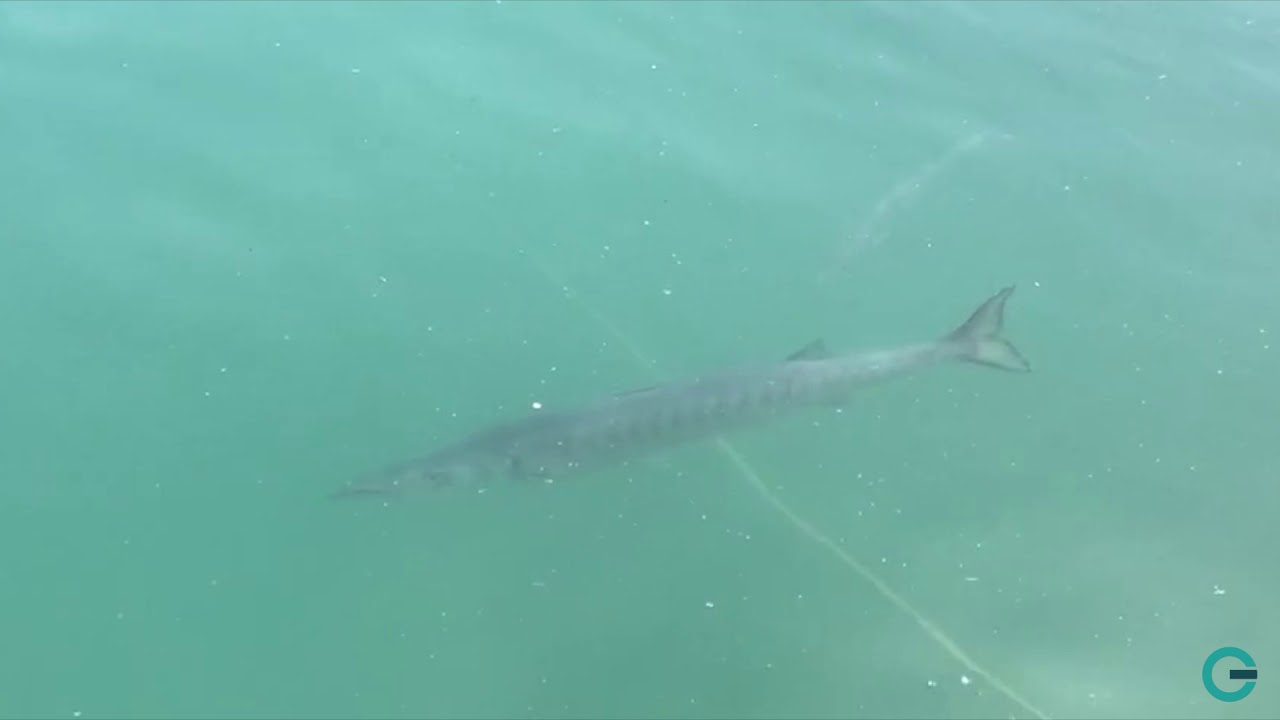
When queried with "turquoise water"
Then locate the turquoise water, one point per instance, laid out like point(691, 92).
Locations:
point(252, 251)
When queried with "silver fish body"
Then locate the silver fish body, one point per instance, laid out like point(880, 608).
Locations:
point(550, 445)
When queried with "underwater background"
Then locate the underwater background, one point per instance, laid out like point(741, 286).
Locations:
point(249, 252)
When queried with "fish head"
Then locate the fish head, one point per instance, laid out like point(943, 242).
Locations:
point(434, 472)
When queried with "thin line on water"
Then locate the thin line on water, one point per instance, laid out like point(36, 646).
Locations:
point(807, 529)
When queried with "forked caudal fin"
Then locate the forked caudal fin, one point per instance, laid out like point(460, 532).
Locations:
point(978, 339)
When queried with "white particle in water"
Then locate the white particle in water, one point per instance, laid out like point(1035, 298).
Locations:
point(1219, 591)
point(355, 71)
point(964, 680)
point(709, 604)
point(536, 405)
point(666, 291)
point(932, 683)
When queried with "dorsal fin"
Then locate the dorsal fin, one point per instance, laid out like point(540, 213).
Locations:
point(816, 350)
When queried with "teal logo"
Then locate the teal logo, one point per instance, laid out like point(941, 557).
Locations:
point(1248, 673)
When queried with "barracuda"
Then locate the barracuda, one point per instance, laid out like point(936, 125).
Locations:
point(549, 445)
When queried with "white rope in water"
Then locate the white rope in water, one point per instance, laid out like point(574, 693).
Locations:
point(872, 232)
point(808, 530)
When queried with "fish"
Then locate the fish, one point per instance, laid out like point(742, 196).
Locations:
point(548, 445)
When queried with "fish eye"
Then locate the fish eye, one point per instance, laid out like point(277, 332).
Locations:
point(439, 478)
point(515, 466)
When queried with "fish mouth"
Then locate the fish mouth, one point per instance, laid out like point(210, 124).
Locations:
point(398, 480)
point(354, 491)
point(385, 484)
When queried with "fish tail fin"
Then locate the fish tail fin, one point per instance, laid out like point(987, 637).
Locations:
point(978, 339)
